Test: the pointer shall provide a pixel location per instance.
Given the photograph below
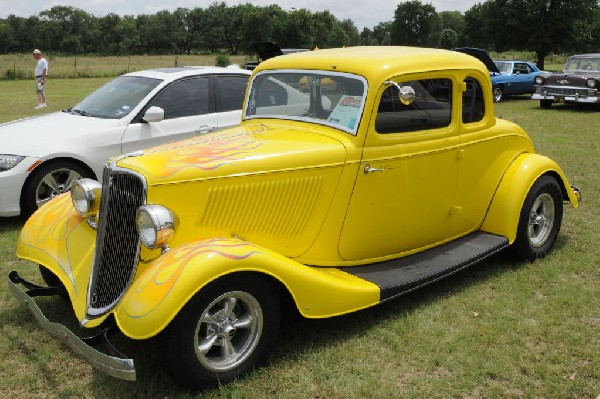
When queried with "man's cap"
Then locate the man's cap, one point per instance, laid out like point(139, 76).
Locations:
point(36, 51)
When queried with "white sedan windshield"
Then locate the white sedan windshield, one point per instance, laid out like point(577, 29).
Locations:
point(117, 98)
point(326, 98)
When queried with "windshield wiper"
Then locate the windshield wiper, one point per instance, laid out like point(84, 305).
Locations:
point(80, 112)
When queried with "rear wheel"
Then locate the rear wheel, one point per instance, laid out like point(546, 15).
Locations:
point(48, 181)
point(540, 220)
point(223, 332)
point(546, 103)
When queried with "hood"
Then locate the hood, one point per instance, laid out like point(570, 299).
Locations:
point(577, 78)
point(41, 135)
point(250, 148)
point(481, 55)
point(266, 50)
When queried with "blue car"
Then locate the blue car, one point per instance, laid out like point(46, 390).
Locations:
point(513, 78)
point(508, 77)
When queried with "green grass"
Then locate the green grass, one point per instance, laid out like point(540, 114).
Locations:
point(498, 330)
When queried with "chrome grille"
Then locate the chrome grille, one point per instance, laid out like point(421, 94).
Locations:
point(117, 243)
point(565, 91)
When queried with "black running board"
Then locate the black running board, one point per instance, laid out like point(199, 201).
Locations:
point(399, 276)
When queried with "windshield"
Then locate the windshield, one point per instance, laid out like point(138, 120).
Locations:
point(117, 98)
point(326, 98)
point(504, 67)
point(582, 64)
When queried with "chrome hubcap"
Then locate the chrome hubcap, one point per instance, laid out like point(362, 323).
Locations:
point(228, 331)
point(541, 220)
point(54, 184)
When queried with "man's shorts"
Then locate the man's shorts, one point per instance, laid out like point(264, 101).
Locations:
point(39, 88)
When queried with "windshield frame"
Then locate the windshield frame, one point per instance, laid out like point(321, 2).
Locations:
point(265, 74)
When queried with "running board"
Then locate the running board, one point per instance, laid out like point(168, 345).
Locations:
point(399, 276)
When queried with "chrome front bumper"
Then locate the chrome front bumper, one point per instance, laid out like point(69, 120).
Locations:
point(117, 366)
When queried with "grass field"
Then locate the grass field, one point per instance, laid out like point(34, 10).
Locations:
point(21, 65)
point(497, 330)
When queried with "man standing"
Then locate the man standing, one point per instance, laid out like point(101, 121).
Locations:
point(41, 71)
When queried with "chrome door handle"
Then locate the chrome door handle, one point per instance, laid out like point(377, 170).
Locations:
point(204, 129)
point(369, 169)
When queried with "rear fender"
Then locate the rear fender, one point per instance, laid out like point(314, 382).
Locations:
point(171, 280)
point(504, 212)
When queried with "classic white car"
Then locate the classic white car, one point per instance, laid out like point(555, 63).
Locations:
point(40, 157)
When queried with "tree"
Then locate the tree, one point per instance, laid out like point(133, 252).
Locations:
point(72, 29)
point(448, 39)
point(412, 23)
point(544, 26)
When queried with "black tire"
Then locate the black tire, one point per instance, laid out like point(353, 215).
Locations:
point(223, 332)
point(546, 103)
point(540, 220)
point(48, 181)
point(498, 93)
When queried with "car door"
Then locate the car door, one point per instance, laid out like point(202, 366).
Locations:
point(230, 93)
point(404, 190)
point(523, 78)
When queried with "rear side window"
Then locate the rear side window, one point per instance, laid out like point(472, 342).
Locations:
point(188, 97)
point(231, 91)
point(431, 109)
point(473, 107)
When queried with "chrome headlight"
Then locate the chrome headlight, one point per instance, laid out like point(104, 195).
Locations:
point(155, 225)
point(8, 162)
point(591, 83)
point(539, 80)
point(85, 194)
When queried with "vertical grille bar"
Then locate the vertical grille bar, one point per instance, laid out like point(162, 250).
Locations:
point(117, 243)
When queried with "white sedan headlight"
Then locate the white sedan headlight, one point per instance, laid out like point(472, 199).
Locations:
point(85, 194)
point(8, 162)
point(539, 80)
point(591, 83)
point(155, 225)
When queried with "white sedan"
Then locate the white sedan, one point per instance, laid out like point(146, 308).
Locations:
point(40, 157)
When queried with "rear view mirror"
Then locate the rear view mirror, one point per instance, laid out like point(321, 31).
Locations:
point(406, 94)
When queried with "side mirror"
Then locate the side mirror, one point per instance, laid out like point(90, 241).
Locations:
point(154, 114)
point(406, 94)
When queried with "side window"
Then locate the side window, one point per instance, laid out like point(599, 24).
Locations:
point(185, 98)
point(432, 107)
point(473, 107)
point(231, 91)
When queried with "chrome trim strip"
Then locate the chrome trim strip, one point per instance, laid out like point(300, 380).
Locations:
point(121, 368)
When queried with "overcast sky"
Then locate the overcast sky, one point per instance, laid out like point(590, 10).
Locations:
point(363, 13)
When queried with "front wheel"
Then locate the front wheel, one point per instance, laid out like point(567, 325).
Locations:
point(540, 220)
point(223, 332)
point(48, 181)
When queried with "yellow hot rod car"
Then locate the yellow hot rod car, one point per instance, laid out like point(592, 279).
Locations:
point(356, 175)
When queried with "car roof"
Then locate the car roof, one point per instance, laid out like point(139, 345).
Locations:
point(381, 61)
point(175, 73)
point(591, 55)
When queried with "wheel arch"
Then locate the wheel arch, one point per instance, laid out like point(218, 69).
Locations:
point(167, 283)
point(50, 162)
point(504, 211)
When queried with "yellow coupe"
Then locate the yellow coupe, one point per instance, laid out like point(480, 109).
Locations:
point(356, 175)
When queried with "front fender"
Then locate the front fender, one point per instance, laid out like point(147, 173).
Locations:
point(504, 212)
point(171, 280)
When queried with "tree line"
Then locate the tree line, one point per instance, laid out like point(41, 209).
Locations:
point(542, 26)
